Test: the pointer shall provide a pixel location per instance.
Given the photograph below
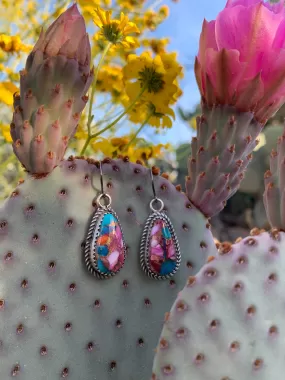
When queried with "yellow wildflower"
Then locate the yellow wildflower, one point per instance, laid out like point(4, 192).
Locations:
point(103, 145)
point(99, 45)
point(193, 122)
point(139, 149)
point(175, 70)
point(158, 119)
point(119, 141)
point(88, 6)
point(13, 76)
point(171, 65)
point(144, 152)
point(177, 94)
point(132, 44)
point(115, 31)
point(5, 131)
point(131, 5)
point(14, 10)
point(149, 74)
point(157, 45)
point(13, 44)
point(7, 89)
point(81, 133)
point(164, 11)
point(151, 20)
point(110, 79)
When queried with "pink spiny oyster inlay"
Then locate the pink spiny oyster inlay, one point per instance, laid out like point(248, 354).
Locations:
point(110, 252)
point(162, 252)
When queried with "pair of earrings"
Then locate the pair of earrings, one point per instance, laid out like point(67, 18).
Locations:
point(105, 248)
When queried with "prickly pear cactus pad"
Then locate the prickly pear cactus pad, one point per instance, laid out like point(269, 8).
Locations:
point(53, 89)
point(220, 155)
point(56, 319)
point(228, 322)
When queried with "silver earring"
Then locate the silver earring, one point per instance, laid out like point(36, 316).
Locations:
point(105, 248)
point(160, 255)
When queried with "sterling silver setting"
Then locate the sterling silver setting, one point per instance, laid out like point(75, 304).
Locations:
point(91, 255)
point(157, 206)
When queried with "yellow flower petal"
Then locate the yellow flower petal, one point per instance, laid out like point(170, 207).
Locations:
point(162, 89)
point(113, 30)
point(133, 67)
point(108, 17)
point(123, 21)
point(7, 89)
point(99, 17)
point(118, 141)
point(154, 121)
point(166, 122)
point(133, 89)
point(131, 28)
point(5, 131)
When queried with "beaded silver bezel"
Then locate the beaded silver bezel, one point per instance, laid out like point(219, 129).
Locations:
point(91, 239)
point(145, 243)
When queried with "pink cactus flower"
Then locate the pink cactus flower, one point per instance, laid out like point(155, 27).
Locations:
point(241, 59)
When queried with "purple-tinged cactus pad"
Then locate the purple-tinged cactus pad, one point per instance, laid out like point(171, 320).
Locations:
point(56, 319)
point(53, 89)
point(220, 155)
point(228, 321)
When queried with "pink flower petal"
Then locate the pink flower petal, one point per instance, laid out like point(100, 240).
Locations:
point(273, 77)
point(249, 30)
point(241, 57)
point(244, 3)
point(279, 40)
point(225, 72)
point(249, 92)
point(275, 7)
point(207, 40)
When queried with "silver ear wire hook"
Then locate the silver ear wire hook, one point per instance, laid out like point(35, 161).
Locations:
point(155, 199)
point(101, 177)
point(152, 182)
point(103, 194)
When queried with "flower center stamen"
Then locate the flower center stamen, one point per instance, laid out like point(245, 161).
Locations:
point(112, 33)
point(151, 79)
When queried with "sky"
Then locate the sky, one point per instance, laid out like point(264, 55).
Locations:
point(183, 26)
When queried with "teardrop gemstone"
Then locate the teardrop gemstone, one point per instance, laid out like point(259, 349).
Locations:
point(109, 246)
point(162, 250)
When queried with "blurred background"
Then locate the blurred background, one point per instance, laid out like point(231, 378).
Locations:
point(168, 26)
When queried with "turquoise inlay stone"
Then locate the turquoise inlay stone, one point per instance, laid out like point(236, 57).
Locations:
point(167, 267)
point(166, 232)
point(162, 251)
point(102, 267)
point(110, 250)
point(102, 250)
